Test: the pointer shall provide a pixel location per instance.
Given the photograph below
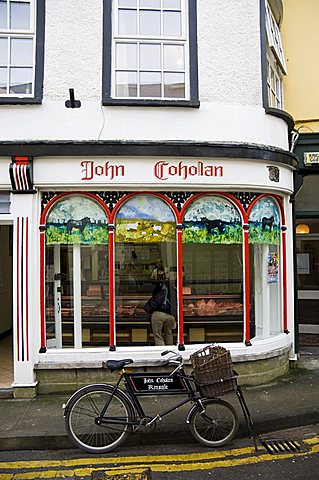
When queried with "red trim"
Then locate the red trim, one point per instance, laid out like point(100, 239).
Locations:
point(179, 234)
point(214, 194)
point(18, 288)
point(284, 280)
point(22, 160)
point(42, 290)
point(153, 194)
point(27, 283)
point(247, 285)
point(70, 194)
point(111, 288)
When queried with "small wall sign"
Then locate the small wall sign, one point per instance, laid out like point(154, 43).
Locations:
point(311, 158)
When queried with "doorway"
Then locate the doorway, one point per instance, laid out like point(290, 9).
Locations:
point(308, 286)
point(6, 318)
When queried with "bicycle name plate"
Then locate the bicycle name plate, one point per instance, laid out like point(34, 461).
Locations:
point(157, 384)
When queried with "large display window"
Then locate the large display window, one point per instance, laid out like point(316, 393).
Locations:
point(77, 306)
point(265, 281)
point(221, 264)
point(145, 239)
point(213, 271)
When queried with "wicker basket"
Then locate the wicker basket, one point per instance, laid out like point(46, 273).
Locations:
point(213, 371)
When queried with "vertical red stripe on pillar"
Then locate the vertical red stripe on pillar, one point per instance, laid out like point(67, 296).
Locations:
point(247, 285)
point(180, 286)
point(42, 290)
point(284, 280)
point(27, 283)
point(111, 289)
point(18, 288)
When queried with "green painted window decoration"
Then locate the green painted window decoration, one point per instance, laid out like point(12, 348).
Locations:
point(145, 219)
point(212, 219)
point(76, 219)
point(264, 222)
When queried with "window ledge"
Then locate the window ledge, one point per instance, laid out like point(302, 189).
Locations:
point(276, 112)
point(151, 103)
point(20, 101)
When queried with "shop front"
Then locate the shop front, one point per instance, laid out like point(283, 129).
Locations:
point(215, 230)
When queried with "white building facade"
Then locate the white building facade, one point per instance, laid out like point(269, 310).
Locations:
point(133, 130)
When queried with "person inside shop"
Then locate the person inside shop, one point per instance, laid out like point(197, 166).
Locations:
point(160, 272)
point(162, 320)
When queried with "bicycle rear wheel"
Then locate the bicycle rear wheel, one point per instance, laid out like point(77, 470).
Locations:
point(84, 411)
point(216, 425)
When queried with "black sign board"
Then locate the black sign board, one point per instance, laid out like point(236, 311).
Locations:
point(157, 384)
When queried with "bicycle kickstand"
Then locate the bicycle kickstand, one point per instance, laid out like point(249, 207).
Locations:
point(246, 412)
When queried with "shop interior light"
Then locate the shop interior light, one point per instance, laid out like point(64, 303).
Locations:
point(302, 229)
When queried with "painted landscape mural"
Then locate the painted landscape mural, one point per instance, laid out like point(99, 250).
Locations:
point(264, 222)
point(212, 219)
point(145, 219)
point(76, 219)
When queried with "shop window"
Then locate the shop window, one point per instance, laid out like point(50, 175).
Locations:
point(152, 44)
point(213, 271)
point(77, 305)
point(264, 239)
point(275, 61)
point(145, 235)
point(21, 51)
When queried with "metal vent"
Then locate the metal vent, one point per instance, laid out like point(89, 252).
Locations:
point(281, 445)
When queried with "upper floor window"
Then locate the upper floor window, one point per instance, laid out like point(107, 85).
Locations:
point(276, 65)
point(21, 51)
point(150, 53)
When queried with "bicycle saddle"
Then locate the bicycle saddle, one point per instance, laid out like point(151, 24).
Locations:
point(117, 364)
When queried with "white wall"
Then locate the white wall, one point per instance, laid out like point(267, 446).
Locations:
point(229, 83)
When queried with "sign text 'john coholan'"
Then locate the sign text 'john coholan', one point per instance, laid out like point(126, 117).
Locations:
point(162, 170)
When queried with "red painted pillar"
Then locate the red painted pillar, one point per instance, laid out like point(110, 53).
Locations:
point(284, 278)
point(180, 333)
point(42, 289)
point(246, 285)
point(111, 287)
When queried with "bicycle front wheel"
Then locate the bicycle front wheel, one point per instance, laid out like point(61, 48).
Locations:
point(216, 425)
point(85, 426)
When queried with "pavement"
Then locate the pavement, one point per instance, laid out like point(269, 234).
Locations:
point(288, 402)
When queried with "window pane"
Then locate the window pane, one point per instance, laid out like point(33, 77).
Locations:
point(150, 56)
point(174, 85)
point(3, 14)
point(3, 51)
point(172, 4)
point(21, 51)
point(150, 3)
point(127, 22)
point(150, 84)
point(126, 56)
point(3, 80)
point(172, 24)
point(173, 57)
point(127, 3)
point(20, 15)
point(150, 22)
point(126, 84)
point(21, 80)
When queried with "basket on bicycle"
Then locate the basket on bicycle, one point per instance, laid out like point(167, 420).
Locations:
point(213, 371)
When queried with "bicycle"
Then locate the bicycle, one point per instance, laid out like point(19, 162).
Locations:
point(99, 417)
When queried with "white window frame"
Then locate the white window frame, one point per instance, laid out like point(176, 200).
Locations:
point(274, 82)
point(161, 40)
point(9, 34)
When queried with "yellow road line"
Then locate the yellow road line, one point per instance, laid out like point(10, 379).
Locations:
point(159, 467)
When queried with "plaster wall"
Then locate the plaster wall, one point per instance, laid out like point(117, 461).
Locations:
point(230, 88)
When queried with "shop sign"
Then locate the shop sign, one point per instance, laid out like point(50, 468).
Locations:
point(159, 384)
point(311, 158)
point(161, 170)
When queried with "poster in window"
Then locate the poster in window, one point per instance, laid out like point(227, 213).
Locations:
point(272, 268)
point(303, 264)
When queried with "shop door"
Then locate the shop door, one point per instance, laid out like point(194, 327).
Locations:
point(308, 287)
